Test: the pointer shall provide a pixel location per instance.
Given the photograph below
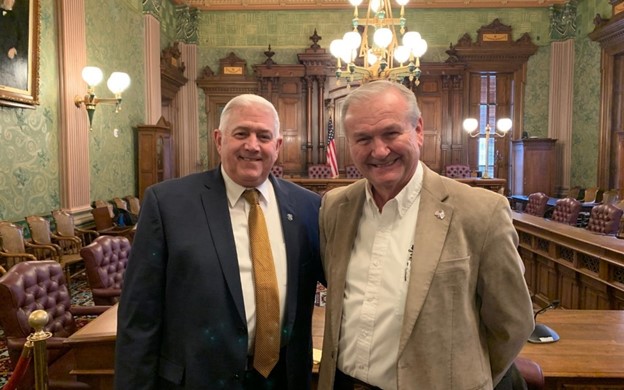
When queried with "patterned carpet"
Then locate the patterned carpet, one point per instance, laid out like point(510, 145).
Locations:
point(81, 295)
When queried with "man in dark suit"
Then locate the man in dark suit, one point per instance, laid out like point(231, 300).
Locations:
point(187, 315)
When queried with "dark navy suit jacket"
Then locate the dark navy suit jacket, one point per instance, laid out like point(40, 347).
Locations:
point(181, 321)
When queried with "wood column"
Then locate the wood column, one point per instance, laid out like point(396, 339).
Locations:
point(560, 109)
point(153, 98)
point(74, 128)
point(188, 116)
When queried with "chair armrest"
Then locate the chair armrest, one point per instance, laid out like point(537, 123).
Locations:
point(88, 310)
point(25, 256)
point(41, 251)
point(71, 239)
point(106, 292)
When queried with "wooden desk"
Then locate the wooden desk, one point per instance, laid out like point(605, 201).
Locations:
point(94, 350)
point(490, 184)
point(584, 270)
point(323, 185)
point(590, 353)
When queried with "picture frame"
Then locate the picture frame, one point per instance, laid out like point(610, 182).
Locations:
point(19, 53)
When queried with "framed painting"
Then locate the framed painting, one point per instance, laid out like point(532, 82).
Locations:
point(19, 53)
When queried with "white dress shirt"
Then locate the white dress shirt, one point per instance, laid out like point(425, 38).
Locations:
point(376, 287)
point(239, 213)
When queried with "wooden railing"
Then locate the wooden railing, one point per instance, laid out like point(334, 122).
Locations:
point(582, 269)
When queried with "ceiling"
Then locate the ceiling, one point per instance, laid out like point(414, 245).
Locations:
point(228, 5)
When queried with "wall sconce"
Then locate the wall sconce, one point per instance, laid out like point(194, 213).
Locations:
point(471, 126)
point(117, 83)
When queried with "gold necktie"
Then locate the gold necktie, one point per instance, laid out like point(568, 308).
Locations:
point(266, 350)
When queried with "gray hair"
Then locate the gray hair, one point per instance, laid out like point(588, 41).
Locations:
point(247, 100)
point(369, 91)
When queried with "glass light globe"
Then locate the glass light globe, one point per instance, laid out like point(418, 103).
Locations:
point(118, 82)
point(504, 124)
point(355, 3)
point(336, 47)
point(382, 37)
point(92, 75)
point(401, 54)
point(470, 124)
point(411, 38)
point(375, 5)
point(402, 2)
point(352, 39)
point(372, 58)
point(420, 48)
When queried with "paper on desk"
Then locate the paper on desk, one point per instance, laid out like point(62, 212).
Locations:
point(316, 355)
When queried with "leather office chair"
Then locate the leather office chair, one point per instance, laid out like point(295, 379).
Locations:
point(605, 219)
point(319, 171)
point(567, 211)
point(537, 204)
point(65, 227)
point(66, 249)
point(33, 285)
point(531, 373)
point(277, 170)
point(352, 172)
point(105, 260)
point(457, 171)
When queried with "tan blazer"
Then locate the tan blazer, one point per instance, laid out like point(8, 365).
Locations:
point(468, 311)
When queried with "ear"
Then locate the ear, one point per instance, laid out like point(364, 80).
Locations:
point(419, 132)
point(218, 138)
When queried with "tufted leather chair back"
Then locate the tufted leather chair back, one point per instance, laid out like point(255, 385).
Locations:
point(457, 171)
point(566, 211)
point(319, 171)
point(105, 260)
point(352, 172)
point(29, 286)
point(605, 219)
point(277, 170)
point(537, 204)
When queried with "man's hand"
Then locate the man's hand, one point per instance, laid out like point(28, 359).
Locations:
point(12, 53)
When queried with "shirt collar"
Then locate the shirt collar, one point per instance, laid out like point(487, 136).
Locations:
point(235, 190)
point(406, 197)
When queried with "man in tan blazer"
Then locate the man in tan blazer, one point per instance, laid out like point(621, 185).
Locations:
point(425, 284)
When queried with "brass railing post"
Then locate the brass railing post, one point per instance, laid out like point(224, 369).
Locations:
point(38, 319)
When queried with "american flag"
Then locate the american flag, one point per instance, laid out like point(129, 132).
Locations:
point(332, 160)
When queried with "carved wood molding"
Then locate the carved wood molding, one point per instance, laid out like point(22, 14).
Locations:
point(609, 33)
point(171, 72)
point(494, 46)
point(231, 80)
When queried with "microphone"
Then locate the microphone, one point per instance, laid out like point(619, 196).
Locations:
point(542, 333)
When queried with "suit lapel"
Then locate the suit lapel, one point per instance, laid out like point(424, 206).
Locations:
point(345, 228)
point(215, 204)
point(288, 219)
point(434, 218)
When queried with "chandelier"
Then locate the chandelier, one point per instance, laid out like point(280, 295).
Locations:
point(383, 58)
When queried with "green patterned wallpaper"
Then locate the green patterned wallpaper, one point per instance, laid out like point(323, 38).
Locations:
point(113, 158)
point(536, 93)
point(29, 166)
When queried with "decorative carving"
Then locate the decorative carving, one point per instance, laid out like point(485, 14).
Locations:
point(171, 72)
point(269, 61)
point(563, 21)
point(152, 7)
point(187, 20)
point(494, 44)
point(315, 38)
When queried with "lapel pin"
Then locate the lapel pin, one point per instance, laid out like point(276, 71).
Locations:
point(289, 217)
point(439, 214)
